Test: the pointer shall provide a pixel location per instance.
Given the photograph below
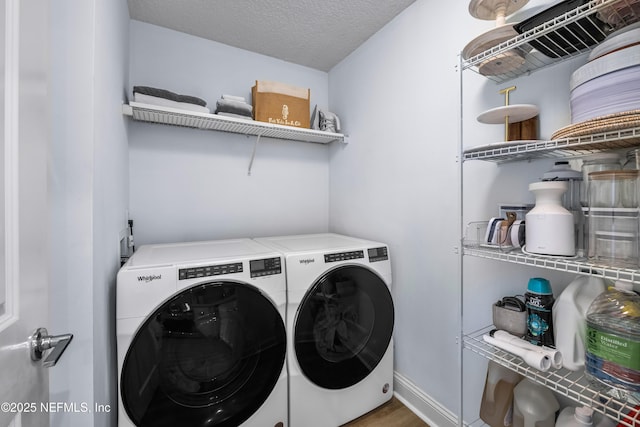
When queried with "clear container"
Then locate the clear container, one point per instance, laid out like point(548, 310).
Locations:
point(610, 231)
point(616, 248)
point(613, 189)
point(612, 350)
point(596, 163)
point(633, 160)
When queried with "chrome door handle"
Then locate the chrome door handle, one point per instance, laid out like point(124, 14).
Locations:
point(41, 341)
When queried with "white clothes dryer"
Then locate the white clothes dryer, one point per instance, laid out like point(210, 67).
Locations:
point(201, 336)
point(340, 318)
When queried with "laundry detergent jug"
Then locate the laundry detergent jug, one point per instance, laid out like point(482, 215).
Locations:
point(534, 405)
point(569, 319)
point(496, 408)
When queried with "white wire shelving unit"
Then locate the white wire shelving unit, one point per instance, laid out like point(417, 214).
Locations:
point(174, 117)
point(573, 385)
point(579, 266)
point(570, 34)
point(558, 148)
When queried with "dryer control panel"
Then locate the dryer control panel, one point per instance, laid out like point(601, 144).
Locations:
point(209, 270)
point(265, 267)
point(378, 254)
point(343, 256)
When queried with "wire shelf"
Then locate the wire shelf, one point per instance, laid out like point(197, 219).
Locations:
point(573, 385)
point(559, 148)
point(568, 35)
point(559, 264)
point(175, 117)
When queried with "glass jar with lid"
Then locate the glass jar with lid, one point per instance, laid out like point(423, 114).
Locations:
point(613, 189)
point(596, 163)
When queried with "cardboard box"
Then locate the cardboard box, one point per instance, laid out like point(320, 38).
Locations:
point(281, 104)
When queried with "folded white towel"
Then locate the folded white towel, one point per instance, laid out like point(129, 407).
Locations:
point(234, 98)
point(237, 116)
point(163, 102)
point(233, 107)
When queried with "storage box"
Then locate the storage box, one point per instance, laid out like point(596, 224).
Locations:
point(281, 104)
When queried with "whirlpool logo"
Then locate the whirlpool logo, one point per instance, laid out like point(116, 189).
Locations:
point(307, 261)
point(149, 278)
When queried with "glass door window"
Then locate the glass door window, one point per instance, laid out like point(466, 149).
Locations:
point(210, 356)
point(343, 327)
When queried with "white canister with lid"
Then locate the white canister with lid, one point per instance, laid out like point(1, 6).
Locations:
point(562, 171)
point(550, 227)
point(596, 163)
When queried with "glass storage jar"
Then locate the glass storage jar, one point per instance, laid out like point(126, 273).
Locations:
point(633, 160)
point(595, 163)
point(613, 189)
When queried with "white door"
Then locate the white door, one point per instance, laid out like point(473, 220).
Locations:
point(24, 217)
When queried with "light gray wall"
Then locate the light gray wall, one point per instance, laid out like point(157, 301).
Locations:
point(110, 192)
point(89, 195)
point(188, 184)
point(397, 181)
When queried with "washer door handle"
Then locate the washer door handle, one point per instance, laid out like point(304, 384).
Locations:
point(41, 341)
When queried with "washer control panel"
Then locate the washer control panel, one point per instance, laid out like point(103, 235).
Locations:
point(343, 256)
point(265, 267)
point(378, 254)
point(209, 270)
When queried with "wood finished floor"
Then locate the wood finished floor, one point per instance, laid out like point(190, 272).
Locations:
point(391, 414)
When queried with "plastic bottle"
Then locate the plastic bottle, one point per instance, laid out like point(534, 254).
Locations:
point(569, 318)
point(613, 339)
point(533, 405)
point(496, 408)
point(575, 417)
point(539, 302)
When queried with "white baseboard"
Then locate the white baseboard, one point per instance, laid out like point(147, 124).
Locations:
point(430, 411)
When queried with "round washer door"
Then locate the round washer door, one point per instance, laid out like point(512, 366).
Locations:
point(343, 327)
point(210, 356)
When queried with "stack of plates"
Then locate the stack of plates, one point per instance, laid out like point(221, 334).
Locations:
point(610, 82)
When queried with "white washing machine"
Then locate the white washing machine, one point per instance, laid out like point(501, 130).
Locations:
point(340, 319)
point(201, 336)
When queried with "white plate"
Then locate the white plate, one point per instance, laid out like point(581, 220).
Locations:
point(618, 40)
point(489, 39)
point(614, 61)
point(515, 112)
point(502, 63)
point(499, 145)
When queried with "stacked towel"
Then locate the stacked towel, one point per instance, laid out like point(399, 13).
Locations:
point(234, 106)
point(165, 98)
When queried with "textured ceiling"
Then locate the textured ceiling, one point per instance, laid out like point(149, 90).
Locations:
point(313, 33)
